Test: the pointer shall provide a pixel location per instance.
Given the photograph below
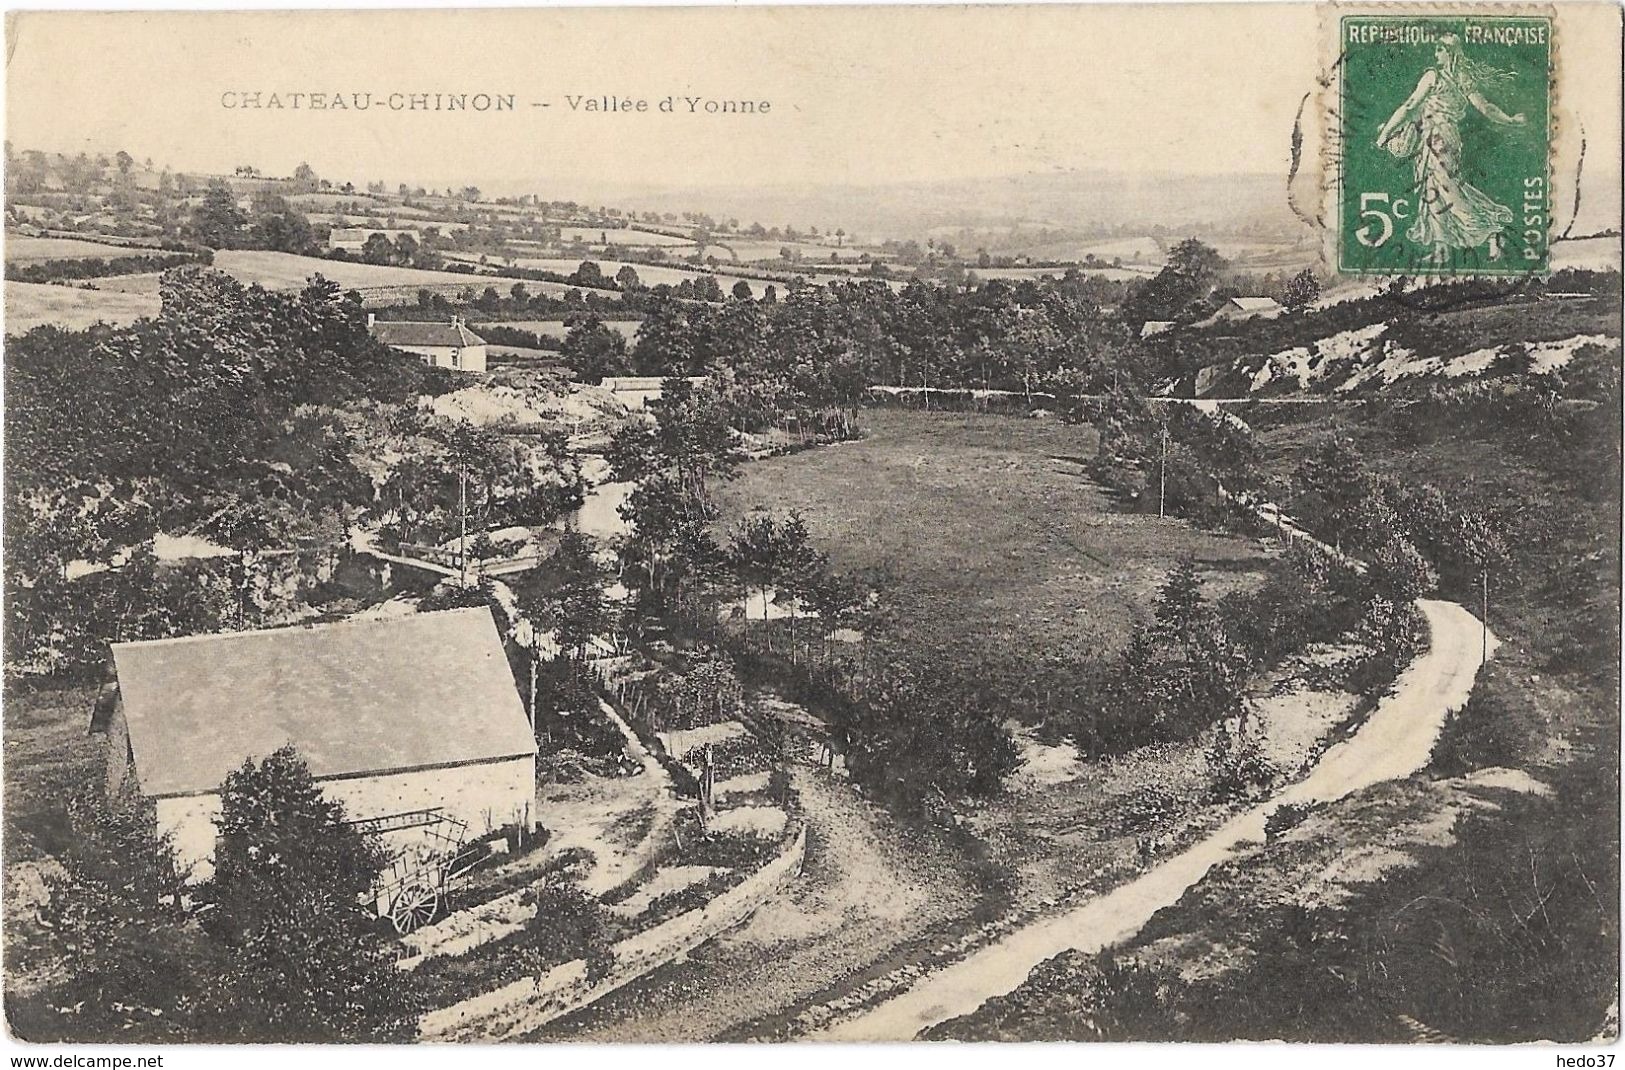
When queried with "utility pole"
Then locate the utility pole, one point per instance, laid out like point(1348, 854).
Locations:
point(462, 525)
point(1484, 620)
point(1162, 476)
point(535, 660)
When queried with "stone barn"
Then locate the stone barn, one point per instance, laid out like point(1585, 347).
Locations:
point(405, 721)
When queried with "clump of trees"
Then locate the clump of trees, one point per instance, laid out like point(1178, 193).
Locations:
point(219, 222)
point(1180, 290)
point(224, 416)
point(592, 350)
point(288, 949)
point(96, 267)
point(443, 474)
point(689, 444)
point(1178, 675)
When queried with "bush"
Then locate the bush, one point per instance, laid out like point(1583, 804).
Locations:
point(1237, 767)
point(1284, 818)
point(1392, 635)
point(95, 267)
point(1482, 733)
point(727, 850)
point(569, 925)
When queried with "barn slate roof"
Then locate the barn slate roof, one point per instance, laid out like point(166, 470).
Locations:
point(414, 333)
point(355, 698)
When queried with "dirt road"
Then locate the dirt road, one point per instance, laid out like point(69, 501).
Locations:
point(1395, 742)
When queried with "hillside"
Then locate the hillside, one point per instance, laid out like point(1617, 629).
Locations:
point(1356, 344)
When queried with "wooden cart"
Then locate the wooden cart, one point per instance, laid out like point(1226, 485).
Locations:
point(412, 892)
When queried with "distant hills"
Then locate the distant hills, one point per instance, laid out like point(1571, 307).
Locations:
point(1082, 204)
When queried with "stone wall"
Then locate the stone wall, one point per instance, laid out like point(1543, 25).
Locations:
point(531, 1002)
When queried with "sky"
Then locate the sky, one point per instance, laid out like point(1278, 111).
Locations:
point(858, 96)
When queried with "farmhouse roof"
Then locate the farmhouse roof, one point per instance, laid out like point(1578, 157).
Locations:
point(355, 698)
point(1151, 327)
point(453, 335)
point(1255, 304)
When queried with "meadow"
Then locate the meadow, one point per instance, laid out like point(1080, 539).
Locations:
point(985, 530)
point(559, 329)
point(286, 271)
point(21, 249)
point(122, 299)
point(618, 236)
point(30, 305)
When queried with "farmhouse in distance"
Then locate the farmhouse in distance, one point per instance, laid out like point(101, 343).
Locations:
point(441, 345)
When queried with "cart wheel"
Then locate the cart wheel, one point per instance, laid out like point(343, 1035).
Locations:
point(415, 906)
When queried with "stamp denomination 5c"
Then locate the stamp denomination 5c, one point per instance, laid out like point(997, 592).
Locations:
point(1444, 124)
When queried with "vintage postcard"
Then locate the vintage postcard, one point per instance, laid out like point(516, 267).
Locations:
point(991, 523)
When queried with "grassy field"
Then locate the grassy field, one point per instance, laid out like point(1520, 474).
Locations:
point(1477, 901)
point(618, 236)
point(557, 328)
point(985, 529)
point(125, 298)
point(29, 305)
point(285, 271)
point(21, 249)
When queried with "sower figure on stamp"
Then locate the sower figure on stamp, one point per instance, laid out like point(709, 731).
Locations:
point(1450, 213)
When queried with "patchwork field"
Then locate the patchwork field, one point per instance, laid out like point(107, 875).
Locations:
point(30, 305)
point(618, 236)
point(986, 530)
point(558, 329)
point(125, 298)
point(285, 271)
point(21, 249)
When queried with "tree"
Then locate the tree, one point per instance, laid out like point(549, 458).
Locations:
point(741, 290)
point(217, 222)
point(406, 249)
point(1399, 570)
point(592, 350)
point(277, 225)
point(588, 274)
point(1333, 487)
point(1197, 261)
point(1481, 542)
point(134, 963)
point(378, 249)
point(1301, 291)
point(304, 176)
point(753, 552)
point(581, 610)
point(834, 597)
point(627, 278)
point(303, 962)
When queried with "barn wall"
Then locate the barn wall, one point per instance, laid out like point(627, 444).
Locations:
point(487, 796)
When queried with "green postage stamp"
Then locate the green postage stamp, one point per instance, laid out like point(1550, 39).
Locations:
point(1444, 129)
